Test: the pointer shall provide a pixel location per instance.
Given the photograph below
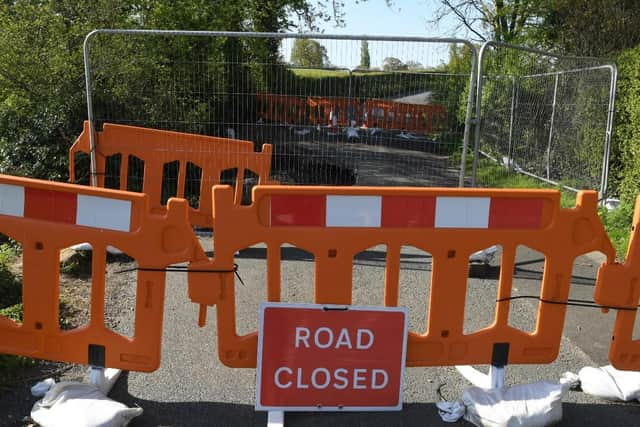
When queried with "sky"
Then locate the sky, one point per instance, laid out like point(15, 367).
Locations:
point(375, 18)
point(404, 17)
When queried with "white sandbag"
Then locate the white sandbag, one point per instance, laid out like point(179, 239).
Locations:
point(527, 405)
point(71, 404)
point(609, 383)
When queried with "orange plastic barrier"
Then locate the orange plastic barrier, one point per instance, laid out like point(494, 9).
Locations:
point(397, 115)
point(46, 217)
point(335, 223)
point(378, 113)
point(618, 285)
point(157, 148)
point(282, 108)
point(323, 111)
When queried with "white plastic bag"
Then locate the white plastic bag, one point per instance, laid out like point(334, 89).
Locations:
point(527, 405)
point(71, 404)
point(41, 388)
point(609, 383)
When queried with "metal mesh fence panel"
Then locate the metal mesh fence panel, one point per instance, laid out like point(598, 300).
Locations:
point(543, 116)
point(399, 121)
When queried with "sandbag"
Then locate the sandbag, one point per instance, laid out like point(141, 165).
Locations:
point(72, 404)
point(609, 383)
point(527, 405)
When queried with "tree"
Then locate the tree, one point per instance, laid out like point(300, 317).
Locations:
point(393, 64)
point(42, 93)
point(588, 27)
point(42, 102)
point(577, 27)
point(365, 59)
point(308, 53)
point(500, 20)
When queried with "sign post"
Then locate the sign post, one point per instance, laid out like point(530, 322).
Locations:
point(330, 358)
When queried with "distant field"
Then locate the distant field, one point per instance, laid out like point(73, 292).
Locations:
point(319, 73)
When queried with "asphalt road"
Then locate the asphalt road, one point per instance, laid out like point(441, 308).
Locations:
point(192, 388)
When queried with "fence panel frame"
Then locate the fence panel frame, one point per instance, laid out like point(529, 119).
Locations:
point(235, 34)
point(610, 111)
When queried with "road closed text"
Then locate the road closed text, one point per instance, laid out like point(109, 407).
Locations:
point(337, 378)
point(314, 358)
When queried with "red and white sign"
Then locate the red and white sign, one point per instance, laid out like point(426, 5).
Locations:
point(406, 211)
point(329, 358)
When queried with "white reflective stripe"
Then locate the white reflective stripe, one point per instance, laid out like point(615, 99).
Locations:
point(11, 200)
point(354, 211)
point(462, 212)
point(100, 212)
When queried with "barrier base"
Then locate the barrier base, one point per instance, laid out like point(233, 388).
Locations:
point(103, 378)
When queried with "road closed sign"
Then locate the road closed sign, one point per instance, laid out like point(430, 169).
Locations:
point(331, 358)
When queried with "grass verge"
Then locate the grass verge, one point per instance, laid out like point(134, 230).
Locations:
point(492, 175)
point(617, 223)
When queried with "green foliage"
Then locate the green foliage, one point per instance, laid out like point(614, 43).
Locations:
point(587, 27)
point(41, 80)
point(577, 27)
point(374, 84)
point(308, 53)
point(11, 366)
point(625, 147)
point(618, 225)
point(457, 89)
point(13, 312)
point(42, 89)
point(501, 20)
point(365, 58)
point(490, 174)
point(319, 73)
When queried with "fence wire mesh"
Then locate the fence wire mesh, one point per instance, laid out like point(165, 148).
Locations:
point(543, 116)
point(331, 119)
